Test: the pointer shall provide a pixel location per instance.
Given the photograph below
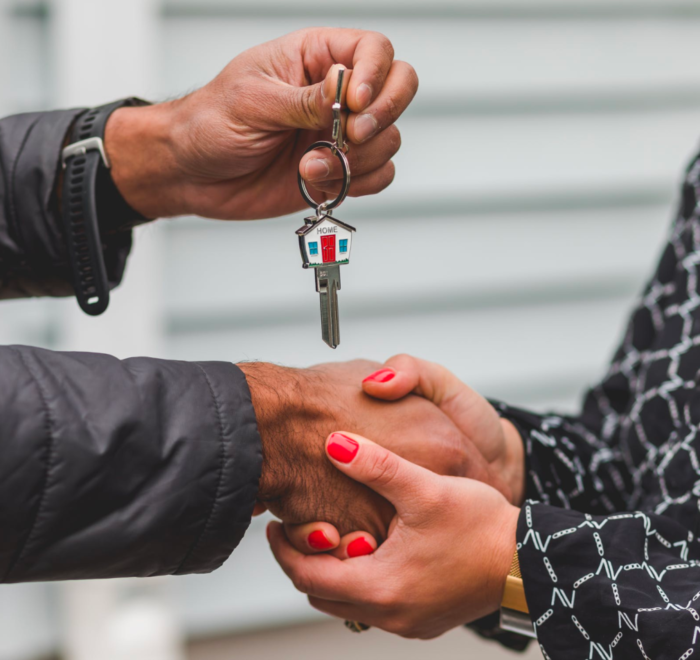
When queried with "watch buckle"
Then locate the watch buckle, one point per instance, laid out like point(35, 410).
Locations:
point(82, 147)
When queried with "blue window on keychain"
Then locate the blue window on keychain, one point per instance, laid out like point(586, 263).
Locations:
point(343, 247)
point(313, 248)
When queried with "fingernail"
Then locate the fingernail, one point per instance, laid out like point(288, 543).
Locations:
point(268, 533)
point(381, 376)
point(317, 168)
point(342, 448)
point(318, 541)
point(359, 547)
point(365, 127)
point(364, 95)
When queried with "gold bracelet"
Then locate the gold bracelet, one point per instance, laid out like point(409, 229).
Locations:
point(514, 593)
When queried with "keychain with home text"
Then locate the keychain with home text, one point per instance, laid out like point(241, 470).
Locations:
point(325, 241)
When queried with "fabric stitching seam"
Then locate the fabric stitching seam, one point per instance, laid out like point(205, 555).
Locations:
point(47, 471)
point(222, 456)
point(13, 176)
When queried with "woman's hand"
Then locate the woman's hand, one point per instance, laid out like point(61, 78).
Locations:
point(444, 563)
point(231, 150)
point(497, 439)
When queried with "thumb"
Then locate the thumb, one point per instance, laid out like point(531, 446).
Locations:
point(468, 410)
point(402, 374)
point(401, 482)
point(310, 107)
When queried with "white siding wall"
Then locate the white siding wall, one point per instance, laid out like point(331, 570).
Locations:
point(545, 144)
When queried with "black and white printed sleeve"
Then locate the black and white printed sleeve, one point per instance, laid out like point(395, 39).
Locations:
point(608, 537)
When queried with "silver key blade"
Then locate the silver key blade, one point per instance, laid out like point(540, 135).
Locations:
point(327, 285)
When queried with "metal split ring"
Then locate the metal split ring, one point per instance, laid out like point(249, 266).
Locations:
point(329, 205)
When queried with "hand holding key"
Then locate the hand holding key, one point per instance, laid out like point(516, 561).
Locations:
point(231, 149)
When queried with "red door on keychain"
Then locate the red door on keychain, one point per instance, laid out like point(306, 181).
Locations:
point(328, 247)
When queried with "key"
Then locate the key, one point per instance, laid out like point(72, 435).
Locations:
point(325, 244)
point(328, 285)
point(325, 241)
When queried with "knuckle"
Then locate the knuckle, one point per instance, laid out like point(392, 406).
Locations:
point(383, 468)
point(384, 598)
point(385, 44)
point(457, 461)
point(301, 583)
point(411, 76)
point(404, 359)
point(392, 108)
point(432, 498)
point(308, 107)
point(403, 628)
point(394, 135)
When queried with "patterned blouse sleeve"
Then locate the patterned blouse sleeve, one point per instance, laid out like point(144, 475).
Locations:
point(615, 587)
point(607, 539)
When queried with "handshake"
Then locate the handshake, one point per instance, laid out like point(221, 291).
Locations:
point(412, 531)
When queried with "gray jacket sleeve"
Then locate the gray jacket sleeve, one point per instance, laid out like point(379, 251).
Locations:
point(108, 468)
point(33, 254)
point(114, 468)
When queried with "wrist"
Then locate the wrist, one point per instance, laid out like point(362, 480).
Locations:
point(140, 146)
point(286, 409)
point(513, 467)
point(504, 547)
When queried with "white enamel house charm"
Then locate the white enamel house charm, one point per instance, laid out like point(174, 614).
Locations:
point(325, 241)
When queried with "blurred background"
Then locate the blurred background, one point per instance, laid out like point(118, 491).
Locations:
point(538, 175)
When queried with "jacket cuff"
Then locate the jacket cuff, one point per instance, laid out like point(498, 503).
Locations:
point(240, 464)
point(39, 263)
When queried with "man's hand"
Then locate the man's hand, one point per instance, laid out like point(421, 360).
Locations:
point(497, 439)
point(444, 564)
point(231, 149)
point(297, 409)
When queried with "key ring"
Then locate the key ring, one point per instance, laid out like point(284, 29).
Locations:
point(338, 148)
point(327, 206)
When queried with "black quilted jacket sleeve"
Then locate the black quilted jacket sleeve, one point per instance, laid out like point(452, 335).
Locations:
point(108, 468)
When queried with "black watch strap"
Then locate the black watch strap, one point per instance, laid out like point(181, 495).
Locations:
point(90, 199)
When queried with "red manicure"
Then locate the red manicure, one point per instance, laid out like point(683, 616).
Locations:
point(318, 541)
point(342, 448)
point(381, 376)
point(359, 547)
point(268, 532)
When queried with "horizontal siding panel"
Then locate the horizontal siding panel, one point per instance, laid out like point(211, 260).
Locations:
point(503, 59)
point(510, 350)
point(217, 269)
point(445, 8)
point(507, 157)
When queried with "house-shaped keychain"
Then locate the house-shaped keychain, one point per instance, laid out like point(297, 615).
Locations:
point(325, 241)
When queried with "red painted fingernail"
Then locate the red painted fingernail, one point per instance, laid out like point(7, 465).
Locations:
point(381, 376)
point(359, 547)
point(318, 541)
point(268, 532)
point(342, 448)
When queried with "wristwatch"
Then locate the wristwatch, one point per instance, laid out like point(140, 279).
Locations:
point(89, 195)
point(515, 616)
